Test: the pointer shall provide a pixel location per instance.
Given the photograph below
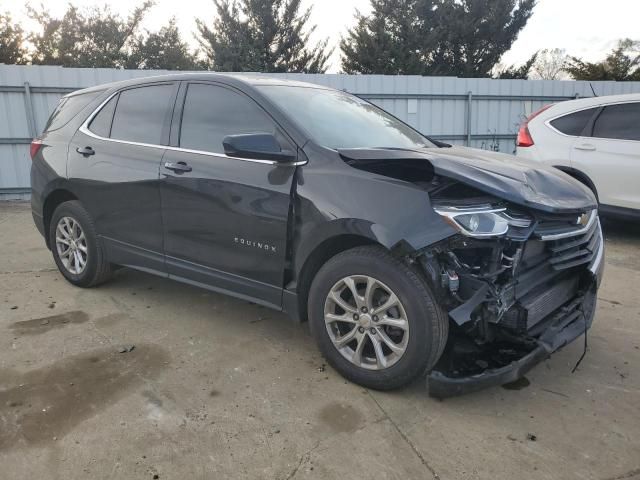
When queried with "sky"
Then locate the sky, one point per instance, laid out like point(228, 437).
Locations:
point(584, 28)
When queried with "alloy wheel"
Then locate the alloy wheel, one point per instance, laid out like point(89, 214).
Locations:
point(71, 245)
point(366, 322)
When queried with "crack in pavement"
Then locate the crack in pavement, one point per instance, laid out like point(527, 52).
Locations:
point(405, 438)
point(304, 458)
point(41, 270)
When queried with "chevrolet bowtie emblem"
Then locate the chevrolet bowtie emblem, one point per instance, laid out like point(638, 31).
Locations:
point(583, 220)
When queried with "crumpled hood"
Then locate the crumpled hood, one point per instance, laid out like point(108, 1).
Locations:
point(504, 176)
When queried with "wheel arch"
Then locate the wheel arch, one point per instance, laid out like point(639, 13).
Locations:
point(580, 176)
point(52, 200)
point(325, 250)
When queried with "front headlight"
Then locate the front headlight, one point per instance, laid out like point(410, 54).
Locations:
point(479, 221)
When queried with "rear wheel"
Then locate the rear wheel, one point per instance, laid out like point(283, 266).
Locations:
point(76, 247)
point(375, 319)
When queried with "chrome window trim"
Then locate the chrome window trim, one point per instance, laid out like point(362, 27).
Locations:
point(574, 233)
point(84, 128)
point(547, 123)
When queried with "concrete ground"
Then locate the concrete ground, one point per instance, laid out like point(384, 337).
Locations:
point(220, 388)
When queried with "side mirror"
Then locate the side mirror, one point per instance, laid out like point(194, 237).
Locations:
point(258, 146)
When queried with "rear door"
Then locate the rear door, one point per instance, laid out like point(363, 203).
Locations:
point(225, 219)
point(610, 154)
point(114, 162)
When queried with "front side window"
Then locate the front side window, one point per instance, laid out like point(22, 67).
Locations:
point(212, 112)
point(140, 114)
point(338, 120)
point(621, 122)
point(574, 123)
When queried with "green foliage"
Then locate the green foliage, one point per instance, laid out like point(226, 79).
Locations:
point(94, 37)
point(463, 38)
point(623, 63)
point(261, 36)
point(164, 50)
point(97, 37)
point(391, 41)
point(12, 50)
point(522, 72)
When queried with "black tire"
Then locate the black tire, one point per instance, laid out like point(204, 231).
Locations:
point(428, 323)
point(97, 269)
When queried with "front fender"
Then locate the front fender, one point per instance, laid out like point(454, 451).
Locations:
point(342, 200)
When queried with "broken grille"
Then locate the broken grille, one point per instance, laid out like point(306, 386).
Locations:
point(571, 245)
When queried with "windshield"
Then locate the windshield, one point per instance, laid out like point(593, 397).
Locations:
point(340, 120)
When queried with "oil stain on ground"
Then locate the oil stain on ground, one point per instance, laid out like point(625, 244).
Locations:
point(341, 418)
point(41, 325)
point(49, 402)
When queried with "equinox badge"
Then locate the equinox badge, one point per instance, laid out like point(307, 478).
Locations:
point(259, 245)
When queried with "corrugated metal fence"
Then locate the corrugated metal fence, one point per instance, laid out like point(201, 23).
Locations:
point(482, 113)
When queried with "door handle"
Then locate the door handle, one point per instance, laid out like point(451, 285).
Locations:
point(585, 146)
point(180, 167)
point(86, 151)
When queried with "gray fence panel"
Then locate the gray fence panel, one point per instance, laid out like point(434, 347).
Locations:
point(481, 113)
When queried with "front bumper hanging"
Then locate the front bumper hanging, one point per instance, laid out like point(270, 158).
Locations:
point(571, 321)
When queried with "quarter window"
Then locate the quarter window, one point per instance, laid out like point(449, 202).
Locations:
point(574, 123)
point(140, 114)
point(101, 123)
point(620, 122)
point(211, 113)
point(67, 108)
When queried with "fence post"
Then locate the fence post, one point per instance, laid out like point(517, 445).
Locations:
point(28, 105)
point(468, 119)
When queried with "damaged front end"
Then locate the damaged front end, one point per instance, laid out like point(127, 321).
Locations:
point(518, 285)
point(519, 277)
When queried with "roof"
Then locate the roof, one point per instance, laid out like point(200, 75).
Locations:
point(249, 79)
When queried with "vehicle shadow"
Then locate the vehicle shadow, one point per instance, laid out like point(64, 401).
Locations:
point(620, 229)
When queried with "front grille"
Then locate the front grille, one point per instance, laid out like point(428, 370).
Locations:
point(551, 268)
point(570, 244)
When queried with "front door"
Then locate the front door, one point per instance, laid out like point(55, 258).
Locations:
point(114, 166)
point(225, 219)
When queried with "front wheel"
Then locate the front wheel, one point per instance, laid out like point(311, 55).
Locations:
point(375, 319)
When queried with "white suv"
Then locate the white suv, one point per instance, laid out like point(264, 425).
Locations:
point(597, 141)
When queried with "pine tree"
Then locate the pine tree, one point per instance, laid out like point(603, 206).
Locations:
point(463, 38)
point(262, 36)
point(519, 73)
point(164, 50)
point(389, 41)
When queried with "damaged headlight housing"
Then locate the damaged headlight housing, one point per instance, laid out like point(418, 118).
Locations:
point(481, 222)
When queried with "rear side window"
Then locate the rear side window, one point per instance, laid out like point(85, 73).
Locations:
point(67, 108)
point(211, 113)
point(140, 114)
point(101, 123)
point(620, 122)
point(574, 123)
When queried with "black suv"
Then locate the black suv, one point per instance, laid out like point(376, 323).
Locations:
point(407, 256)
